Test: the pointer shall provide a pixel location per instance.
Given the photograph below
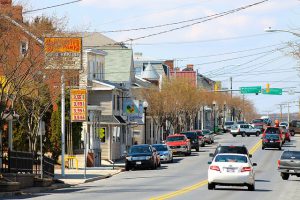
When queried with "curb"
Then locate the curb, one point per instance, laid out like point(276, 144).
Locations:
point(53, 187)
point(103, 177)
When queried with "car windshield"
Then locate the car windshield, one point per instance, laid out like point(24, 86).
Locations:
point(240, 122)
point(284, 124)
point(231, 158)
point(272, 137)
point(231, 149)
point(229, 123)
point(272, 130)
point(175, 138)
point(140, 149)
point(257, 121)
point(291, 155)
point(161, 147)
point(190, 135)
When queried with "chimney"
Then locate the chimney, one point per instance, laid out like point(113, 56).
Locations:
point(170, 63)
point(190, 67)
point(15, 12)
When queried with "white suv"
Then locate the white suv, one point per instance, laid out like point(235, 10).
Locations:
point(244, 129)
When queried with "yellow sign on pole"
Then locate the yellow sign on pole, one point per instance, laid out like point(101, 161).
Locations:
point(78, 105)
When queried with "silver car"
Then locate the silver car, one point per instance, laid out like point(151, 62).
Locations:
point(165, 152)
point(244, 129)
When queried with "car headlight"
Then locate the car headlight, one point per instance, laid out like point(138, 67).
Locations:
point(129, 158)
point(148, 157)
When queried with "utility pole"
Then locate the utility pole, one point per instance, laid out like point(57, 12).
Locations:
point(232, 117)
point(288, 105)
point(62, 124)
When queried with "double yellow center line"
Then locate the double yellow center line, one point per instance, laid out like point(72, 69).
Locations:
point(197, 185)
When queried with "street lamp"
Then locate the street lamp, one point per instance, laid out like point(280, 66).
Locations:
point(224, 115)
point(280, 30)
point(145, 105)
point(214, 110)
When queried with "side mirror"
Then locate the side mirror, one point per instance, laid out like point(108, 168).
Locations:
point(211, 155)
point(209, 162)
point(254, 164)
point(250, 155)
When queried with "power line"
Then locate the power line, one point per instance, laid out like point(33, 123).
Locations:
point(54, 6)
point(215, 16)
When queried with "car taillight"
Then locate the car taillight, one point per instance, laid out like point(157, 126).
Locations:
point(278, 163)
point(214, 167)
point(246, 169)
point(278, 141)
point(238, 130)
point(265, 140)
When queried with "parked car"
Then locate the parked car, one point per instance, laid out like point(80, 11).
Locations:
point(294, 127)
point(165, 152)
point(271, 141)
point(259, 123)
point(143, 155)
point(194, 139)
point(286, 132)
point(230, 148)
point(179, 144)
point(231, 170)
point(244, 129)
point(209, 137)
point(227, 126)
point(274, 130)
point(201, 137)
point(289, 164)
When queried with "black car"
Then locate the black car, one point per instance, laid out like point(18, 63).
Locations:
point(271, 141)
point(289, 164)
point(143, 155)
point(194, 139)
point(238, 149)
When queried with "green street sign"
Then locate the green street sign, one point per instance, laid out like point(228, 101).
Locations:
point(250, 90)
point(273, 91)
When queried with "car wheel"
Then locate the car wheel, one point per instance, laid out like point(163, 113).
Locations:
point(292, 133)
point(248, 135)
point(172, 160)
point(263, 148)
point(159, 165)
point(285, 176)
point(279, 148)
point(212, 141)
point(127, 167)
point(197, 149)
point(210, 186)
point(257, 134)
point(243, 134)
point(234, 135)
point(203, 144)
point(251, 187)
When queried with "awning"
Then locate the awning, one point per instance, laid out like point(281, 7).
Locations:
point(112, 119)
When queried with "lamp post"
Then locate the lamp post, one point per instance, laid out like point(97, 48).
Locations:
point(280, 30)
point(214, 110)
point(145, 105)
point(224, 113)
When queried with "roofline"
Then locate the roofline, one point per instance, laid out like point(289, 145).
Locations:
point(22, 28)
point(95, 51)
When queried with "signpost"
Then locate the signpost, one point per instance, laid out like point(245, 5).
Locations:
point(250, 90)
point(273, 91)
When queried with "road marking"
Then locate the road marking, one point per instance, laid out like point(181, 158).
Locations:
point(197, 185)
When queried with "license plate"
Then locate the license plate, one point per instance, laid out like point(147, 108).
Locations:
point(138, 162)
point(230, 170)
point(271, 141)
point(174, 151)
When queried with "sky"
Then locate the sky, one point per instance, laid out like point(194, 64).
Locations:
point(236, 45)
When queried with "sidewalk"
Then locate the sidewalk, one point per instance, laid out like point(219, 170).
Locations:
point(74, 177)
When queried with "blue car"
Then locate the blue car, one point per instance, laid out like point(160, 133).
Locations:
point(165, 152)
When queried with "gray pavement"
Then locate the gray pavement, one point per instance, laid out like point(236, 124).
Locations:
point(185, 172)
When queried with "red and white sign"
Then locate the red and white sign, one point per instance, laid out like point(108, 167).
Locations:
point(78, 105)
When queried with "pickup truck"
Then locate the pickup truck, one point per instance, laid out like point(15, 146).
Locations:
point(289, 164)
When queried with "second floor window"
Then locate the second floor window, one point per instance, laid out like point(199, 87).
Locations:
point(23, 48)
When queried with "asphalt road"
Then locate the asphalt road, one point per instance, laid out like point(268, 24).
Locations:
point(186, 179)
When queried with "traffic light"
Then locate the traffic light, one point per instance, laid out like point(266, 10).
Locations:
point(268, 88)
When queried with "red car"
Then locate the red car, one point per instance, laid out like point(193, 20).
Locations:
point(274, 130)
point(179, 144)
